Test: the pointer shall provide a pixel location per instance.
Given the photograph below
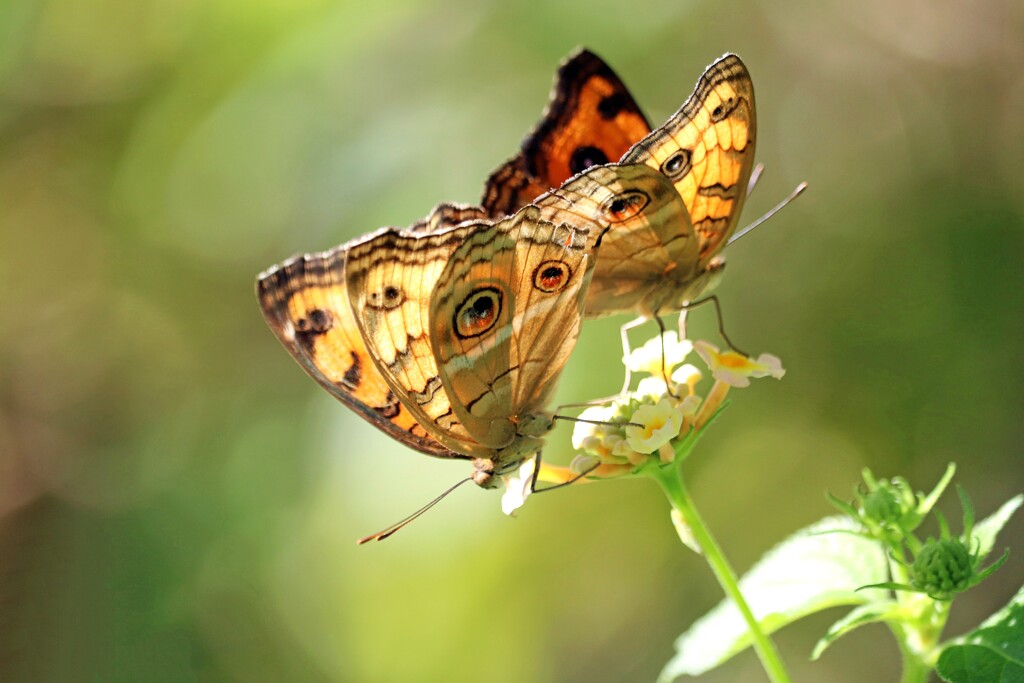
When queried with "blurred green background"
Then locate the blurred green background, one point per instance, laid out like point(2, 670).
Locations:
point(178, 501)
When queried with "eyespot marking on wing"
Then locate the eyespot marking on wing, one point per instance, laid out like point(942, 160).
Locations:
point(677, 165)
point(585, 157)
point(386, 298)
point(478, 312)
point(552, 276)
point(625, 205)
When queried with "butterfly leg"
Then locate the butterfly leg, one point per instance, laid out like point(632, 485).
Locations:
point(665, 370)
point(626, 350)
point(721, 321)
point(569, 418)
point(536, 473)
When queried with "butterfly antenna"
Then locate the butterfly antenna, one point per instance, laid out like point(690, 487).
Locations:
point(778, 207)
point(385, 533)
point(755, 175)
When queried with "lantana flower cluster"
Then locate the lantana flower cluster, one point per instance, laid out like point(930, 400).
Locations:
point(655, 421)
point(665, 407)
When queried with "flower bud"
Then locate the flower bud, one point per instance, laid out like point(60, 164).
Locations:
point(942, 568)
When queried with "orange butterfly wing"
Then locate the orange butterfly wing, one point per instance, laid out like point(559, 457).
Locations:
point(707, 150)
point(305, 302)
point(591, 119)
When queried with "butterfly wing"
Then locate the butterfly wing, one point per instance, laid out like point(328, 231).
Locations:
point(390, 277)
point(305, 302)
point(707, 150)
point(649, 246)
point(504, 316)
point(591, 119)
point(448, 215)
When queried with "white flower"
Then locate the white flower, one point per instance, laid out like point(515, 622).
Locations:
point(583, 463)
point(649, 358)
point(736, 369)
point(650, 388)
point(660, 424)
point(584, 432)
point(518, 487)
point(687, 374)
point(689, 405)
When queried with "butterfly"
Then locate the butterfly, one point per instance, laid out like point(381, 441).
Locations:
point(706, 150)
point(452, 340)
point(449, 335)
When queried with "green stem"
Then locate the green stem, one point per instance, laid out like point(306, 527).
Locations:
point(914, 669)
point(918, 637)
point(671, 481)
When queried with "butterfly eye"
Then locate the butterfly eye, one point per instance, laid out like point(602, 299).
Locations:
point(551, 276)
point(625, 205)
point(477, 313)
point(389, 297)
point(677, 165)
point(585, 157)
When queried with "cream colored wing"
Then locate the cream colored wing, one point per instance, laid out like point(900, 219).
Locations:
point(707, 150)
point(649, 250)
point(448, 215)
point(305, 302)
point(390, 276)
point(505, 314)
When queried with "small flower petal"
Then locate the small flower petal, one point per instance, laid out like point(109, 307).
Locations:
point(687, 374)
point(583, 463)
point(771, 365)
point(736, 369)
point(660, 424)
point(518, 487)
point(583, 430)
point(648, 358)
point(689, 405)
point(650, 388)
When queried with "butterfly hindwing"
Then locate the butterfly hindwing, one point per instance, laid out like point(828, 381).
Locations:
point(305, 302)
point(448, 215)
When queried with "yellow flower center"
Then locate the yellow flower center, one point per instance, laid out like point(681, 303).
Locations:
point(654, 426)
point(731, 359)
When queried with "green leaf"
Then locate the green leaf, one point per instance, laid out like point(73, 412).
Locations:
point(812, 570)
point(859, 616)
point(993, 653)
point(843, 506)
point(929, 501)
point(965, 503)
point(986, 530)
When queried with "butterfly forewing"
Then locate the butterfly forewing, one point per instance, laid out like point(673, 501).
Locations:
point(649, 244)
point(591, 119)
point(707, 150)
point(504, 317)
